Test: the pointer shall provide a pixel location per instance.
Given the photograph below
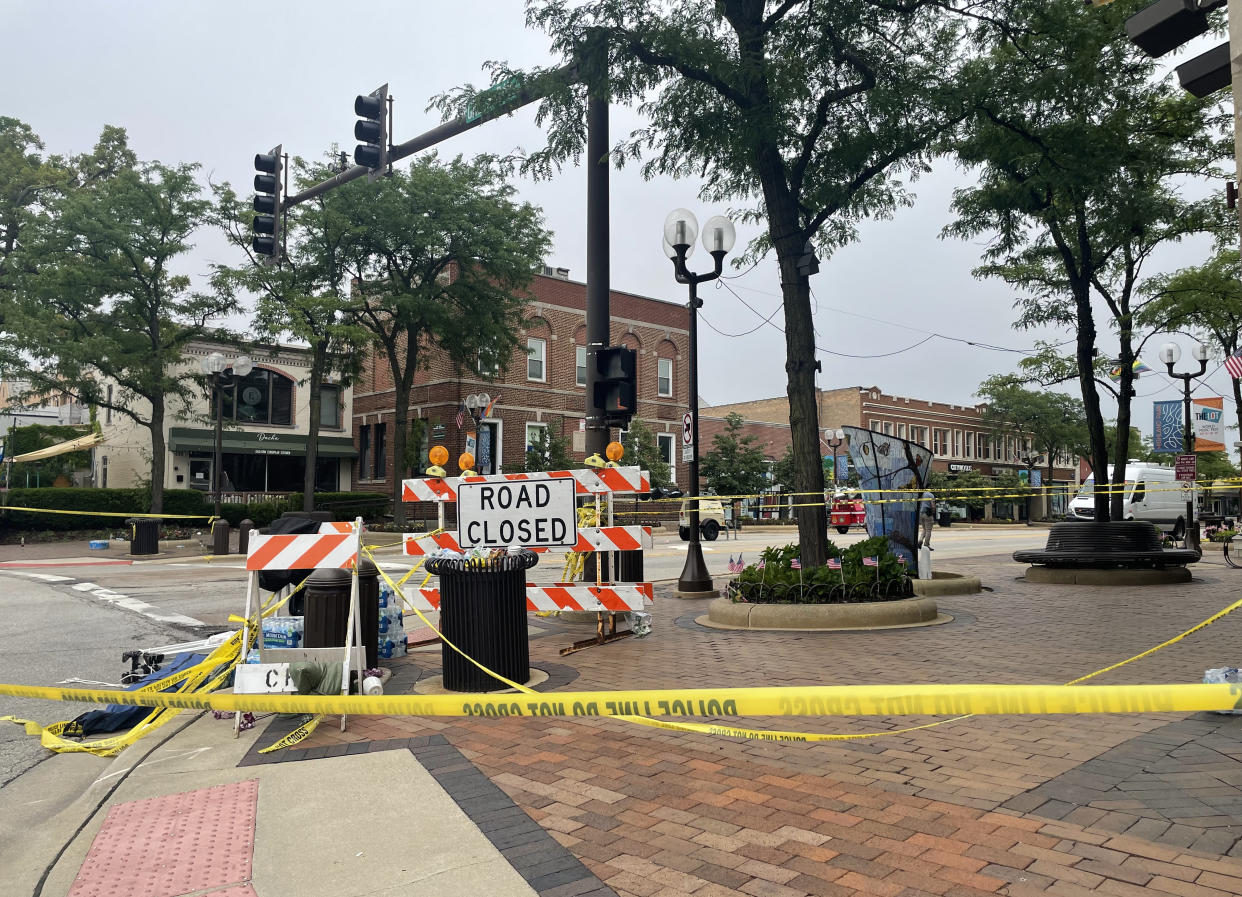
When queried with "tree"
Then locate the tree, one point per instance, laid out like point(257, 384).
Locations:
point(809, 114)
point(734, 465)
point(1081, 152)
point(1206, 299)
point(1053, 420)
point(548, 451)
point(97, 299)
point(303, 296)
point(641, 451)
point(440, 254)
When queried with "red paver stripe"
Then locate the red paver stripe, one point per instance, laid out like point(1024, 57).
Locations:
point(168, 846)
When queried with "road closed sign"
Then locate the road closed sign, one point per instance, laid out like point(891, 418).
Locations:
point(530, 513)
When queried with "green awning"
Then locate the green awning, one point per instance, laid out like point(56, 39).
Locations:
point(244, 442)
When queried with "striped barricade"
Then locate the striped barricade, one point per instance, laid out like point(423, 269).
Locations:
point(590, 538)
point(302, 552)
point(540, 597)
point(588, 482)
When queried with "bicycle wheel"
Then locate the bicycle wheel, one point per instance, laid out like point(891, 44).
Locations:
point(1229, 560)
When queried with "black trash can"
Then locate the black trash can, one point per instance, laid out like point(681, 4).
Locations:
point(144, 535)
point(483, 612)
point(327, 608)
point(946, 518)
point(368, 609)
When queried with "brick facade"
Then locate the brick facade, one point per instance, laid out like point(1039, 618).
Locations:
point(556, 314)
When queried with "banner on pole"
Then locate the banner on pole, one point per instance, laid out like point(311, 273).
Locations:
point(1208, 420)
point(1166, 428)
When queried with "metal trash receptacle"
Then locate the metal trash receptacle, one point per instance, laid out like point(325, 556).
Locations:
point(327, 608)
point(946, 518)
point(483, 612)
point(144, 535)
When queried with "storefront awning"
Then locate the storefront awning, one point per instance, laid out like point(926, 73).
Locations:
point(243, 442)
point(73, 445)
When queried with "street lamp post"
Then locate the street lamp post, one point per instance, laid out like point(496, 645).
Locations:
point(215, 364)
point(1169, 354)
point(680, 229)
point(836, 439)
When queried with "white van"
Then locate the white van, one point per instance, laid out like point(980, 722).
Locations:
point(1151, 493)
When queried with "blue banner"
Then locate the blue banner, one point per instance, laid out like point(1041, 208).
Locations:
point(1166, 427)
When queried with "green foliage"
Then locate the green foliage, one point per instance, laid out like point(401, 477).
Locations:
point(734, 465)
point(36, 436)
point(1080, 154)
point(1214, 466)
point(640, 447)
point(1053, 420)
point(549, 451)
point(778, 582)
point(110, 501)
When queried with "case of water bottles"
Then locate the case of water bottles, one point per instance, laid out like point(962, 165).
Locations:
point(392, 638)
point(282, 632)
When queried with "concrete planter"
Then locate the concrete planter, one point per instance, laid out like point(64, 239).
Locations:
point(724, 614)
point(946, 584)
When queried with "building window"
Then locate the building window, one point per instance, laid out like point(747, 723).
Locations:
point(957, 443)
point(580, 365)
point(364, 452)
point(108, 413)
point(968, 448)
point(901, 431)
point(888, 428)
point(380, 467)
point(666, 442)
point(875, 426)
point(330, 406)
point(664, 378)
point(940, 441)
point(488, 369)
point(537, 438)
point(260, 397)
point(536, 352)
point(103, 464)
point(984, 446)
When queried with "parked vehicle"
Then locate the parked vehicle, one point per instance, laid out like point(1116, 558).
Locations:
point(1151, 493)
point(848, 510)
point(711, 519)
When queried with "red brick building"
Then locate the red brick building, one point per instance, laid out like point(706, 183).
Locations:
point(543, 386)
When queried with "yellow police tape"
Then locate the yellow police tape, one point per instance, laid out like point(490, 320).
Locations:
point(106, 513)
point(819, 700)
point(297, 736)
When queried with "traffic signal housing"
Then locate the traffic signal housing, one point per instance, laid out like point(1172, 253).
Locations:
point(268, 205)
point(1167, 24)
point(371, 130)
point(616, 384)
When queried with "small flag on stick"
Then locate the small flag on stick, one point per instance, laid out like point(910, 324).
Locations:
point(871, 562)
point(796, 564)
point(834, 563)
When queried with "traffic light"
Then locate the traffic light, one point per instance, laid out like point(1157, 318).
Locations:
point(616, 389)
point(1167, 24)
point(268, 204)
point(372, 130)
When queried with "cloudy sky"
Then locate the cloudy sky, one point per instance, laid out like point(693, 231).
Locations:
point(215, 82)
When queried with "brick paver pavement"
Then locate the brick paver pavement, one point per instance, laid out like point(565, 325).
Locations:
point(1107, 805)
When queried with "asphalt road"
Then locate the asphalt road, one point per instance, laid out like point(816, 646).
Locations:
point(52, 633)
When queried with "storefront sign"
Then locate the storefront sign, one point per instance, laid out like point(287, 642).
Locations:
point(961, 468)
point(531, 513)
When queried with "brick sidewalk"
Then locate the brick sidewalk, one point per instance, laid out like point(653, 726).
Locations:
point(1061, 805)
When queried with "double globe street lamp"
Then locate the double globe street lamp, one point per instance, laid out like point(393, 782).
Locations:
point(680, 229)
point(1170, 354)
point(835, 439)
point(215, 366)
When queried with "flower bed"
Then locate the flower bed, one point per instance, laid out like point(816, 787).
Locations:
point(779, 579)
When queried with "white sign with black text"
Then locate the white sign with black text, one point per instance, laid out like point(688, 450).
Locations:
point(533, 514)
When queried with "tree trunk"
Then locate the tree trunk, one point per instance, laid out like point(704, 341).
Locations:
point(318, 366)
point(1121, 450)
point(1090, 398)
point(403, 386)
point(159, 455)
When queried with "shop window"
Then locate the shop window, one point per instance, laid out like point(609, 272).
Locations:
point(261, 397)
point(580, 356)
point(664, 377)
point(536, 353)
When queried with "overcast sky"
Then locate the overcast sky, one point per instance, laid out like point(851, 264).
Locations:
point(190, 82)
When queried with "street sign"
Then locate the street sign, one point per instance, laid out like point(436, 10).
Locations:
point(530, 513)
point(687, 452)
point(1185, 468)
point(687, 429)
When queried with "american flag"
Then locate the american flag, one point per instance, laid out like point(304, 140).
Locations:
point(1233, 364)
point(761, 564)
point(901, 559)
point(461, 414)
point(796, 564)
point(871, 562)
point(736, 566)
point(834, 563)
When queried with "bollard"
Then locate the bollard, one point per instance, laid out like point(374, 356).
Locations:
point(220, 531)
point(243, 536)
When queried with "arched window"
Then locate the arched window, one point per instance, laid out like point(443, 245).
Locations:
point(260, 397)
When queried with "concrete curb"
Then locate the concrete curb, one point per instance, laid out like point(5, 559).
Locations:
point(1069, 576)
point(866, 615)
point(947, 584)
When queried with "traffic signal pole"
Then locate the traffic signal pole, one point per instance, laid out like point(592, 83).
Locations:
point(598, 313)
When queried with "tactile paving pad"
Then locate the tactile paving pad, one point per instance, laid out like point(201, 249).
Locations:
point(174, 845)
